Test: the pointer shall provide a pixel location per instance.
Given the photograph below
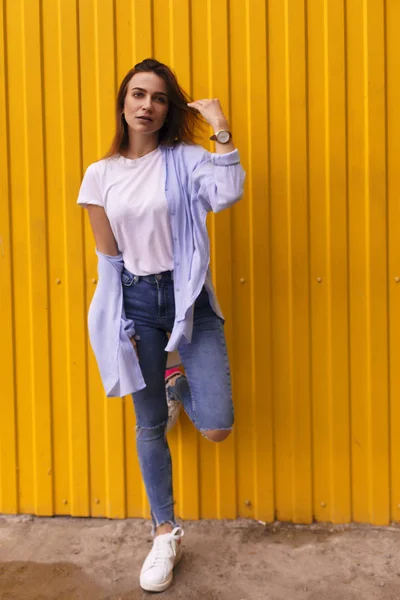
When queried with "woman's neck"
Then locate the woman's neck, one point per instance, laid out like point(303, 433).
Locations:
point(141, 145)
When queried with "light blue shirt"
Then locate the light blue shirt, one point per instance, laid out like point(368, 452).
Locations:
point(196, 182)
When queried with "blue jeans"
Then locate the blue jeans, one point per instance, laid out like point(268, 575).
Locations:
point(206, 395)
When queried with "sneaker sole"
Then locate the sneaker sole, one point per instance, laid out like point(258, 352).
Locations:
point(160, 587)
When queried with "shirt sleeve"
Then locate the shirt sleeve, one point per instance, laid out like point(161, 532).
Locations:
point(90, 191)
point(218, 180)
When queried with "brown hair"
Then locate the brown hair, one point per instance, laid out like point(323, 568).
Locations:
point(181, 122)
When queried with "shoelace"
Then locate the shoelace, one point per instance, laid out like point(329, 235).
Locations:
point(163, 545)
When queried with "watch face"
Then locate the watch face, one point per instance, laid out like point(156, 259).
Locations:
point(223, 137)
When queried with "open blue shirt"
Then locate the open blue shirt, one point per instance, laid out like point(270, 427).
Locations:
point(196, 182)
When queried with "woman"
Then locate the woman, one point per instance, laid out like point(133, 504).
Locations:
point(147, 201)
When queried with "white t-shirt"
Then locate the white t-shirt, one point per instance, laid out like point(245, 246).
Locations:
point(132, 192)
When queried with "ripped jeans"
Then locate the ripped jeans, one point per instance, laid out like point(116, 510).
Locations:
point(207, 398)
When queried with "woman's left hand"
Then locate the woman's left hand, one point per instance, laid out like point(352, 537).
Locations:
point(212, 112)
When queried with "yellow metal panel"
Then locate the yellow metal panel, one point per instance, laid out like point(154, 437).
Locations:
point(393, 183)
point(367, 260)
point(261, 457)
point(241, 361)
point(290, 261)
point(142, 19)
point(58, 288)
point(328, 261)
point(162, 45)
point(375, 105)
point(18, 155)
point(307, 267)
point(9, 500)
point(91, 151)
point(76, 334)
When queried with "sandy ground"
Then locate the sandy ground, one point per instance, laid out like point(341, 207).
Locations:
point(68, 559)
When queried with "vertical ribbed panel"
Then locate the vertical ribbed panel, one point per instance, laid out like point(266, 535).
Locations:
point(327, 155)
point(307, 266)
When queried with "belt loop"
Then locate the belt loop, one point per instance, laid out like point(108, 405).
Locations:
point(136, 278)
point(172, 275)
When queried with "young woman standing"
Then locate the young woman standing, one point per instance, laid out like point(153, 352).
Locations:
point(147, 202)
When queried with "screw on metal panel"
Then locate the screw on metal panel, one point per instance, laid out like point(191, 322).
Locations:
point(49, 472)
point(94, 280)
point(242, 280)
point(397, 279)
point(65, 501)
point(319, 279)
point(58, 281)
point(247, 503)
point(323, 504)
point(97, 501)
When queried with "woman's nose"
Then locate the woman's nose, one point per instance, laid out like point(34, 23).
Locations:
point(147, 103)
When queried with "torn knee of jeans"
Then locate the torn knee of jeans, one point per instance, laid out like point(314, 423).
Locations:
point(216, 429)
point(203, 430)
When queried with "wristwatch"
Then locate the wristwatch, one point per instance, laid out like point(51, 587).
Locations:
point(222, 136)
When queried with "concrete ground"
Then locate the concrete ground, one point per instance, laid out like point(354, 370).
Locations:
point(98, 559)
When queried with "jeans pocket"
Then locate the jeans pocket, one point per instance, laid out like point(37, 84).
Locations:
point(127, 278)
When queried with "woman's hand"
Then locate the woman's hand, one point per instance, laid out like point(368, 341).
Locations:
point(212, 112)
point(133, 342)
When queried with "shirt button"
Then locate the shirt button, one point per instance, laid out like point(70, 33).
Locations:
point(177, 289)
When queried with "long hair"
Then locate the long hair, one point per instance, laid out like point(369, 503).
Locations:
point(181, 122)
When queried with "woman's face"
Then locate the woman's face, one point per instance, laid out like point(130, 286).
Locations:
point(146, 103)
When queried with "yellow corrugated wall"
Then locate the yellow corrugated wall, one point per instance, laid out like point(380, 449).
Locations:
point(307, 266)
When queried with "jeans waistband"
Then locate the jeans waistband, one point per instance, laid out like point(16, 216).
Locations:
point(163, 277)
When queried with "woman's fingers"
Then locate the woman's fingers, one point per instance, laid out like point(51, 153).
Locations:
point(210, 109)
point(204, 103)
point(197, 104)
point(134, 346)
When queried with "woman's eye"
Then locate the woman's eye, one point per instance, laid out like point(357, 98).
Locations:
point(138, 94)
point(161, 99)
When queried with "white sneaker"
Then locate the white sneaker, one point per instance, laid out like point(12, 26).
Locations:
point(174, 408)
point(174, 405)
point(156, 574)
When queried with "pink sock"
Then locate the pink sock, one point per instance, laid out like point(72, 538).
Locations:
point(172, 371)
